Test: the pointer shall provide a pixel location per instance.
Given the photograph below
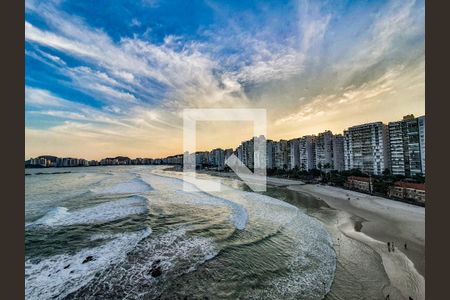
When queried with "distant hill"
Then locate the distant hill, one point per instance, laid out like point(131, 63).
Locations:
point(119, 158)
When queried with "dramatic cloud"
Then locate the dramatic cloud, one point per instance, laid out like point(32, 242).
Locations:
point(100, 85)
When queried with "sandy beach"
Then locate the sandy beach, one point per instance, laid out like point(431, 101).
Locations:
point(378, 221)
point(361, 226)
point(385, 220)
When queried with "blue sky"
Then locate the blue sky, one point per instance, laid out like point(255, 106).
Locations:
point(112, 77)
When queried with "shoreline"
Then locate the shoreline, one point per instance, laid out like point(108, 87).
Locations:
point(286, 182)
point(372, 221)
point(382, 220)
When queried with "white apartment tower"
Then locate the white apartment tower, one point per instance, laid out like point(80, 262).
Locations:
point(366, 148)
point(407, 146)
point(421, 121)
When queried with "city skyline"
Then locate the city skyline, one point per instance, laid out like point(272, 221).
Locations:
point(100, 86)
point(400, 151)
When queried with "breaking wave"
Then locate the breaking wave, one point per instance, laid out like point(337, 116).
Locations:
point(104, 212)
point(171, 189)
point(151, 265)
point(60, 275)
point(276, 252)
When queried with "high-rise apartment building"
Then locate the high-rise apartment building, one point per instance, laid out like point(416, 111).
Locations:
point(281, 154)
point(247, 153)
point(407, 146)
point(338, 152)
point(294, 153)
point(421, 121)
point(324, 150)
point(217, 158)
point(227, 153)
point(259, 152)
point(366, 148)
point(307, 152)
point(270, 154)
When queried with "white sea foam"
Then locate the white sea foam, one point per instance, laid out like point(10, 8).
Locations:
point(172, 190)
point(312, 266)
point(57, 276)
point(309, 271)
point(315, 258)
point(104, 212)
point(174, 253)
point(135, 185)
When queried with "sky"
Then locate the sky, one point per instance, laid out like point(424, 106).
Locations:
point(108, 78)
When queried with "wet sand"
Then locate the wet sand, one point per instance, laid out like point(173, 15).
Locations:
point(361, 225)
point(384, 220)
point(374, 221)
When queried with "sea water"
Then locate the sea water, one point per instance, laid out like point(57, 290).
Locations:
point(132, 232)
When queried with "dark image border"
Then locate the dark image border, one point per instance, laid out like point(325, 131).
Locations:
point(438, 170)
point(12, 203)
point(437, 107)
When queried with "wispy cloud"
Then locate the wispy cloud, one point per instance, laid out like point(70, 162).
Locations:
point(141, 82)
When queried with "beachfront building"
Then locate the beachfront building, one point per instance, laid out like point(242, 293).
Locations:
point(324, 150)
point(294, 153)
point(281, 154)
point(37, 162)
point(114, 161)
point(397, 147)
point(270, 154)
point(170, 160)
point(217, 157)
point(201, 159)
point(407, 146)
point(408, 190)
point(363, 184)
point(421, 122)
point(338, 152)
point(247, 153)
point(226, 154)
point(307, 152)
point(259, 152)
point(366, 148)
point(239, 152)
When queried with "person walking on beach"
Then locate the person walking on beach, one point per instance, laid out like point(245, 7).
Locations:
point(406, 247)
point(393, 248)
point(389, 246)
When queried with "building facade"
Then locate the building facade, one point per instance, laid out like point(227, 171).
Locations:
point(281, 154)
point(338, 152)
point(421, 122)
point(294, 153)
point(218, 158)
point(364, 184)
point(307, 152)
point(407, 146)
point(270, 154)
point(324, 151)
point(409, 191)
point(366, 148)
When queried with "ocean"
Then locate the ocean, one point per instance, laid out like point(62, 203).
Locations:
point(132, 232)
